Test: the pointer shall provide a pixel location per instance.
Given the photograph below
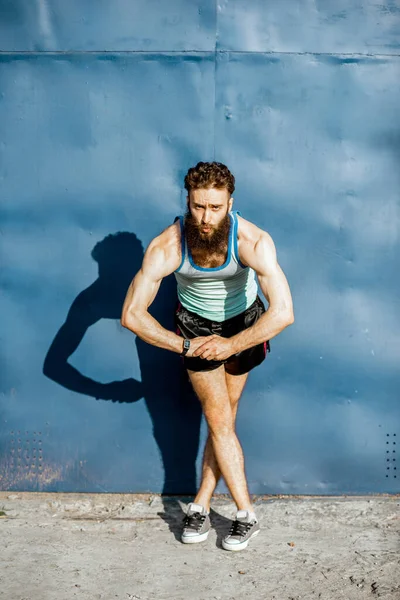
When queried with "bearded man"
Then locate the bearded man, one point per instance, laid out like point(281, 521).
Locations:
point(217, 257)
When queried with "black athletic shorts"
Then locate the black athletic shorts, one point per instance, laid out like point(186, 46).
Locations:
point(191, 325)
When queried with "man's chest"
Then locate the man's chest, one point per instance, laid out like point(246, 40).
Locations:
point(209, 260)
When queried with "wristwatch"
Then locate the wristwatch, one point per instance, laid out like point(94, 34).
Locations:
point(186, 346)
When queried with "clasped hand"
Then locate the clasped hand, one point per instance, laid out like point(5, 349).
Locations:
point(211, 347)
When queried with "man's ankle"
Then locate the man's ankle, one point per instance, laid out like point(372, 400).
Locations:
point(250, 511)
point(203, 503)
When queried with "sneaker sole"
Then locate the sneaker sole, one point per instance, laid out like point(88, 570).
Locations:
point(194, 539)
point(237, 547)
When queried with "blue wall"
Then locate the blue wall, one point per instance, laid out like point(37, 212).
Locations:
point(102, 111)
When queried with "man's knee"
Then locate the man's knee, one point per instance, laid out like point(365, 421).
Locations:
point(234, 400)
point(220, 423)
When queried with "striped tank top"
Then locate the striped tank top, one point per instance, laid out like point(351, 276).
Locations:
point(216, 293)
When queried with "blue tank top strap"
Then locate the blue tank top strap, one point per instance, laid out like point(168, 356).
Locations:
point(183, 244)
point(231, 240)
point(235, 238)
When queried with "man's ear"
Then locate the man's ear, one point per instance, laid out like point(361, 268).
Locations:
point(230, 203)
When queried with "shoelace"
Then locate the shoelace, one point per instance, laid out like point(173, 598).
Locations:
point(239, 528)
point(194, 521)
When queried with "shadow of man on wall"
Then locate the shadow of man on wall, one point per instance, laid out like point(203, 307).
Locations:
point(173, 408)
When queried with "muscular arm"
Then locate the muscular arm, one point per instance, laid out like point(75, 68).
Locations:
point(160, 260)
point(261, 256)
point(257, 250)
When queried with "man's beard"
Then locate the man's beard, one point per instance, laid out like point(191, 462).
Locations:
point(214, 241)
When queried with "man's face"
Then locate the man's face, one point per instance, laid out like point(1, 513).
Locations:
point(207, 220)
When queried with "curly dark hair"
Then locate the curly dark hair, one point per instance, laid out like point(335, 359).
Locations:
point(209, 175)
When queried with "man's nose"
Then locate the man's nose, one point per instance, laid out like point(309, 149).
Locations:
point(206, 217)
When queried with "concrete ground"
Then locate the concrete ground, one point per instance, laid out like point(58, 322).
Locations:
point(125, 546)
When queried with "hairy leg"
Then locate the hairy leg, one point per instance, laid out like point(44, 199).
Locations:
point(211, 472)
point(219, 394)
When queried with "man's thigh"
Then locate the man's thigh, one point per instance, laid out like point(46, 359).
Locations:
point(235, 385)
point(218, 392)
point(212, 390)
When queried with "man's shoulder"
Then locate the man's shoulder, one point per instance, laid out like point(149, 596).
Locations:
point(256, 246)
point(249, 232)
point(170, 234)
point(168, 242)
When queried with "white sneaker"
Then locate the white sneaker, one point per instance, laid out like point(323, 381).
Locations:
point(242, 530)
point(196, 524)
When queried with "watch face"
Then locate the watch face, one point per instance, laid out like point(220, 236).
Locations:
point(186, 344)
